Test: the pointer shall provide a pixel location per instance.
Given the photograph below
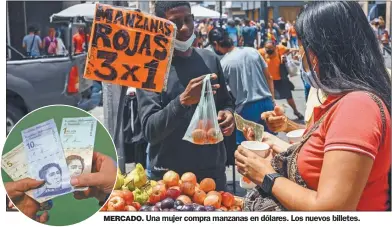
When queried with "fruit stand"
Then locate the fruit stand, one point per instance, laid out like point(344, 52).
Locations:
point(135, 192)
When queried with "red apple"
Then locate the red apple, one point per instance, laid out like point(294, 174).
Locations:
point(129, 208)
point(227, 199)
point(155, 196)
point(116, 193)
point(173, 192)
point(104, 207)
point(136, 205)
point(162, 189)
point(116, 204)
point(127, 196)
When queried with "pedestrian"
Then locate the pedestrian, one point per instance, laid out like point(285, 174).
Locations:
point(293, 36)
point(238, 27)
point(61, 49)
point(249, 34)
point(385, 40)
point(339, 147)
point(166, 116)
point(32, 42)
point(232, 31)
point(272, 35)
point(50, 42)
point(281, 24)
point(79, 41)
point(247, 76)
point(203, 29)
point(275, 56)
point(375, 26)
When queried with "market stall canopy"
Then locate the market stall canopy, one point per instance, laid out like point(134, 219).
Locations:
point(80, 11)
point(85, 11)
point(201, 12)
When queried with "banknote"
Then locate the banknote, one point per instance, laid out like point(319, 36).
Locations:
point(78, 136)
point(14, 163)
point(46, 160)
point(241, 123)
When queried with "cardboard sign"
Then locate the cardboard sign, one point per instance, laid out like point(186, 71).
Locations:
point(130, 48)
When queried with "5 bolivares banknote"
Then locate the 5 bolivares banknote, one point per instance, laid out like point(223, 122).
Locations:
point(54, 158)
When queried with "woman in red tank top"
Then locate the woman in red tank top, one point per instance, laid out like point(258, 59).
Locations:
point(344, 159)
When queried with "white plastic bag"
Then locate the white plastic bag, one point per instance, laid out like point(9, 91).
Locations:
point(292, 66)
point(204, 127)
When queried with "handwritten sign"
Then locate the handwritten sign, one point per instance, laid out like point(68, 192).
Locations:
point(130, 48)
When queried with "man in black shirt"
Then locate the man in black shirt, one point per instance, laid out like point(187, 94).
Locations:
point(166, 116)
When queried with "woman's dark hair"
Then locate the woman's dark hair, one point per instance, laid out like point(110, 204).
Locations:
point(44, 170)
point(348, 53)
point(70, 158)
point(161, 7)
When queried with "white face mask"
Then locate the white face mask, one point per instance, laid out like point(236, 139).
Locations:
point(184, 45)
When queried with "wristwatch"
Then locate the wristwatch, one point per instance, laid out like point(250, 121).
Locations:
point(268, 182)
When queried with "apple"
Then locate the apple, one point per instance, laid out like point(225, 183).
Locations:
point(161, 182)
point(129, 208)
point(127, 196)
point(104, 207)
point(136, 205)
point(162, 189)
point(173, 192)
point(116, 203)
point(116, 193)
point(227, 199)
point(155, 196)
point(235, 208)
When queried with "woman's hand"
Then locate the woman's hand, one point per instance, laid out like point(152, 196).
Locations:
point(248, 134)
point(251, 165)
point(16, 192)
point(100, 181)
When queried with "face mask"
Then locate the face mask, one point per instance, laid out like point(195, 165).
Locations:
point(184, 45)
point(284, 44)
point(313, 80)
point(270, 51)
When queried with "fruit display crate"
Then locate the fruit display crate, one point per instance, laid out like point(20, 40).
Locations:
point(135, 192)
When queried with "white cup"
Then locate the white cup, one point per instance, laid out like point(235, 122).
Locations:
point(260, 148)
point(295, 136)
point(246, 185)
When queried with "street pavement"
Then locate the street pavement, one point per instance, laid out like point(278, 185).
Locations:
point(299, 98)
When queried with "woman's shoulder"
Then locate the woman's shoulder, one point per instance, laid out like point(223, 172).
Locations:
point(363, 105)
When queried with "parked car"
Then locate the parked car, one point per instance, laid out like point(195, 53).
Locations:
point(34, 82)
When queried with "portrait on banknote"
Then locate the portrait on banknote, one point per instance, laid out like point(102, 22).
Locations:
point(52, 175)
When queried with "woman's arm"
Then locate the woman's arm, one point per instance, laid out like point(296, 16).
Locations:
point(343, 177)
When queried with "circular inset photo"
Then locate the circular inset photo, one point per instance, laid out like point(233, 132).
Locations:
point(59, 165)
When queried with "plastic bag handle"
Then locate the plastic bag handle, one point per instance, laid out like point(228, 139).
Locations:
point(205, 88)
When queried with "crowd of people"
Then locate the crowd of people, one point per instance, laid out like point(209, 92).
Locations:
point(53, 43)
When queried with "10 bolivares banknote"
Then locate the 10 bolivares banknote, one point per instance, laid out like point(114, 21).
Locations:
point(43, 155)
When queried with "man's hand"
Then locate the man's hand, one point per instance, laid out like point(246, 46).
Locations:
point(192, 92)
point(16, 192)
point(100, 181)
point(276, 120)
point(226, 120)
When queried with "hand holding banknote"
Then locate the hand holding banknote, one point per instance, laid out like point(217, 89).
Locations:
point(16, 191)
point(100, 181)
